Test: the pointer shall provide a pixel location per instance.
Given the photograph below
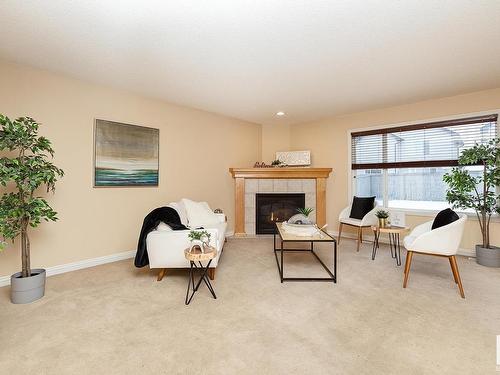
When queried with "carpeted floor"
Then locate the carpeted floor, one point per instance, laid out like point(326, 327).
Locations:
point(115, 319)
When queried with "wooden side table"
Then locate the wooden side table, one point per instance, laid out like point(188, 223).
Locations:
point(394, 237)
point(197, 256)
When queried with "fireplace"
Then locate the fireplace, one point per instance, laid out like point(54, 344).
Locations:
point(272, 207)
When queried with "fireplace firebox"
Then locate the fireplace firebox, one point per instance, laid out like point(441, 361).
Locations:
point(272, 207)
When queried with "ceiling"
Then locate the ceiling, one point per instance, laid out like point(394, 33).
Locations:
point(250, 59)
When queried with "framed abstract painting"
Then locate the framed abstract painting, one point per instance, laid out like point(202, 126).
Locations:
point(125, 155)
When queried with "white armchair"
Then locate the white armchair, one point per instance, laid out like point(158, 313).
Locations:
point(443, 241)
point(166, 247)
point(368, 220)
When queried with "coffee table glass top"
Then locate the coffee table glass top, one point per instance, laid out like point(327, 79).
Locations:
point(321, 236)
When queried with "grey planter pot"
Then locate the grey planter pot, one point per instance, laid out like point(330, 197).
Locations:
point(27, 289)
point(488, 257)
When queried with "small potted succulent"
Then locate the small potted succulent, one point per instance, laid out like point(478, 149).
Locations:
point(278, 163)
point(199, 240)
point(382, 216)
point(302, 218)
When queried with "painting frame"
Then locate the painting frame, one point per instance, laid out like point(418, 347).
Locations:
point(154, 174)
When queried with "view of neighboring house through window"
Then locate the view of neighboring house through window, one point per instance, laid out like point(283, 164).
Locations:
point(403, 167)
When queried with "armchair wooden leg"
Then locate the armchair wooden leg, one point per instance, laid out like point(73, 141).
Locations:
point(340, 233)
point(361, 234)
point(453, 270)
point(211, 273)
point(161, 274)
point(359, 238)
point(456, 274)
point(409, 256)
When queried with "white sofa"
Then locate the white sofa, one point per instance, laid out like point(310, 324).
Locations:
point(166, 247)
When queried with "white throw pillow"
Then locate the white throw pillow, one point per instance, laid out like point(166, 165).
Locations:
point(181, 210)
point(199, 214)
point(163, 227)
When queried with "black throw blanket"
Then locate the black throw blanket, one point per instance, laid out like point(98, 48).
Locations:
point(166, 214)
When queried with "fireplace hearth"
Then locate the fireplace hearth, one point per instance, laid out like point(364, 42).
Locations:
point(273, 207)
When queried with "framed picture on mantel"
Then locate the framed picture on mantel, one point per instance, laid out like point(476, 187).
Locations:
point(294, 158)
point(125, 155)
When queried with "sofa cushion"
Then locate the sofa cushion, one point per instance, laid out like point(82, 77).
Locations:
point(444, 217)
point(181, 210)
point(164, 227)
point(199, 214)
point(361, 206)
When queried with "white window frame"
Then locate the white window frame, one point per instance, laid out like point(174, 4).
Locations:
point(416, 212)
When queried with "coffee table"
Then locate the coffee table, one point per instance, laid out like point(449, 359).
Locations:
point(394, 234)
point(320, 237)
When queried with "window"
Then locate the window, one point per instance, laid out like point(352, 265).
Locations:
point(403, 167)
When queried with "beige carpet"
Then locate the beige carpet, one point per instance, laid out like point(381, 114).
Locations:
point(115, 319)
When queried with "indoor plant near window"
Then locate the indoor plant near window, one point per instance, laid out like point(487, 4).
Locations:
point(24, 167)
point(467, 191)
point(382, 216)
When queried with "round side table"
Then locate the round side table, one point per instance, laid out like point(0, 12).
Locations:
point(394, 237)
point(197, 256)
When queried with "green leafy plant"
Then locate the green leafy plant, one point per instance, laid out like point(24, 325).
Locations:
point(26, 168)
point(199, 235)
point(382, 214)
point(477, 192)
point(306, 211)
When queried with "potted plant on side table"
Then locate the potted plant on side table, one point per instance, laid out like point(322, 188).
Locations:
point(26, 168)
point(478, 192)
point(382, 216)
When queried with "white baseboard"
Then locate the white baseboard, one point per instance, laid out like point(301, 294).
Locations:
point(461, 251)
point(55, 270)
point(68, 267)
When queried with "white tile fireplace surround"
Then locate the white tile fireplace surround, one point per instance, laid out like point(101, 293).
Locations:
point(261, 185)
point(310, 181)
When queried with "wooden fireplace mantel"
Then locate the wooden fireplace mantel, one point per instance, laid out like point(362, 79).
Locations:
point(240, 174)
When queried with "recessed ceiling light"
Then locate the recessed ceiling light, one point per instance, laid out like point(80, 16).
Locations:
point(280, 113)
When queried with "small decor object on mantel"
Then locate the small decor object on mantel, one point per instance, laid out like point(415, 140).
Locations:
point(261, 165)
point(199, 239)
point(218, 211)
point(27, 167)
point(277, 163)
point(382, 216)
point(463, 192)
point(294, 158)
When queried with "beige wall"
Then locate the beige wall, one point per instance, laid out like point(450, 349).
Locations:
point(275, 137)
point(328, 141)
point(196, 150)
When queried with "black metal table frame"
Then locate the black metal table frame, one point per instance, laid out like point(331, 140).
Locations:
point(394, 245)
point(333, 276)
point(203, 270)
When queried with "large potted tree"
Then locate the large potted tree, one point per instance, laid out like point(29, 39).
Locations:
point(479, 193)
point(25, 166)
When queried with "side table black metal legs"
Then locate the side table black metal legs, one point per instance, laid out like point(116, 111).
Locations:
point(203, 271)
point(394, 245)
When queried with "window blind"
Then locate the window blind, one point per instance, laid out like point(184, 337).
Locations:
point(435, 144)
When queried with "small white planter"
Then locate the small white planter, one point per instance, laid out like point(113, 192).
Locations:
point(27, 289)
